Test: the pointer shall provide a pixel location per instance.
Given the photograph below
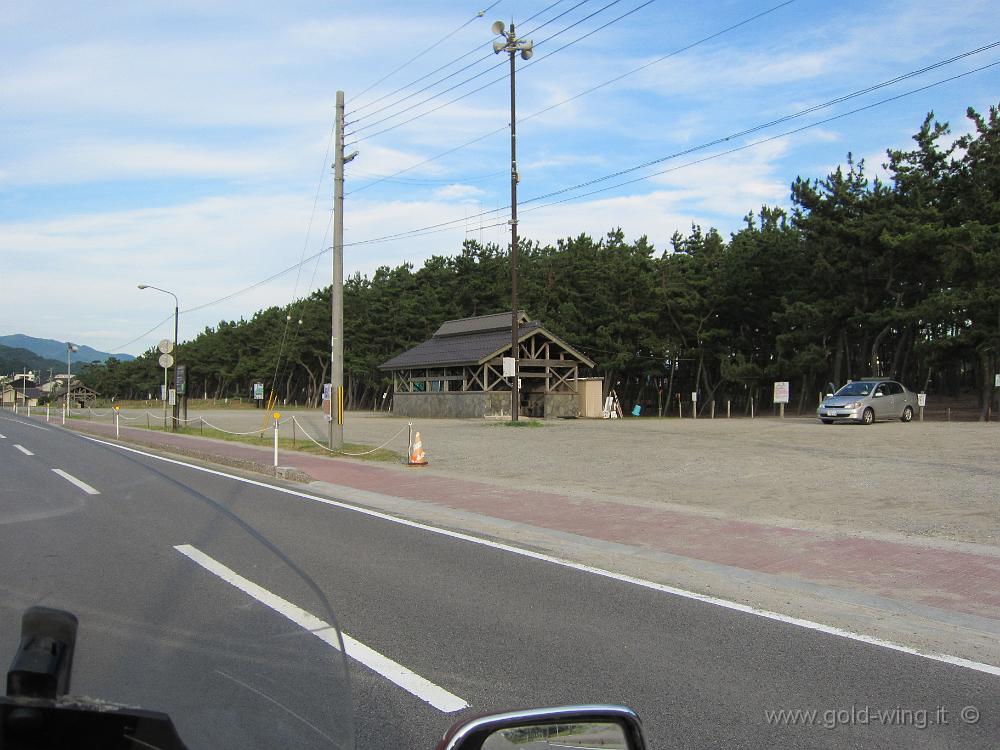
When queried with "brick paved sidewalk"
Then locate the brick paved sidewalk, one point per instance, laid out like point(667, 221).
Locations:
point(959, 581)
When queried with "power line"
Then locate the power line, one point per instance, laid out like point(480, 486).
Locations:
point(497, 80)
point(446, 226)
point(732, 136)
point(765, 140)
point(456, 85)
point(488, 56)
point(143, 335)
point(420, 54)
point(574, 97)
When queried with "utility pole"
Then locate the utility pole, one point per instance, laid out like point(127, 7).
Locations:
point(512, 45)
point(337, 290)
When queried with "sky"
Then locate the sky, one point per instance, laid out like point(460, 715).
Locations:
point(187, 145)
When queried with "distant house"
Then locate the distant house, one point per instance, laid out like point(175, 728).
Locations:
point(458, 372)
point(80, 395)
point(20, 393)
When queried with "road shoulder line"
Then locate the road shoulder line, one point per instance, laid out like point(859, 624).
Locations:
point(664, 588)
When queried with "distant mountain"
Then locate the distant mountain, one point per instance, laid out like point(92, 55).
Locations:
point(52, 349)
point(14, 360)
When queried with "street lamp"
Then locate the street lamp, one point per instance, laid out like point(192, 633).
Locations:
point(512, 45)
point(176, 314)
point(70, 348)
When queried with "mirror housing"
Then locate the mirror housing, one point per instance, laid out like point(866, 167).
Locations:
point(473, 733)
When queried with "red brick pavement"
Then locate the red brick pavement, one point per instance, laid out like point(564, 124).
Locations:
point(955, 580)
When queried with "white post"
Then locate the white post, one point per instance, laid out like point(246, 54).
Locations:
point(117, 432)
point(276, 416)
point(46, 412)
point(729, 412)
point(751, 407)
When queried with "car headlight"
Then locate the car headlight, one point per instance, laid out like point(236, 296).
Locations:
point(853, 405)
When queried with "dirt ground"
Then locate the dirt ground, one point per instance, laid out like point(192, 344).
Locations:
point(933, 480)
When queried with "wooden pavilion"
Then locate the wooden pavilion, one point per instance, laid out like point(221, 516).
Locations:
point(458, 372)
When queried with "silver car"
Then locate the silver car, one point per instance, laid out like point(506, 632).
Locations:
point(868, 400)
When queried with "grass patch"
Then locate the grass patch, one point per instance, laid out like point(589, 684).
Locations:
point(518, 423)
point(299, 445)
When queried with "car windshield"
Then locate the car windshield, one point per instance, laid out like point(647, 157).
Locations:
point(859, 388)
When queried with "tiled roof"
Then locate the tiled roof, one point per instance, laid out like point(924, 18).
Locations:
point(456, 348)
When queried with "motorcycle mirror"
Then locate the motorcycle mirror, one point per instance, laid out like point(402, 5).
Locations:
point(608, 727)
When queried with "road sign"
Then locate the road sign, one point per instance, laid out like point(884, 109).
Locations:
point(166, 346)
point(694, 397)
point(163, 393)
point(327, 404)
point(921, 399)
point(173, 397)
point(508, 367)
point(781, 392)
point(996, 381)
point(258, 391)
point(166, 360)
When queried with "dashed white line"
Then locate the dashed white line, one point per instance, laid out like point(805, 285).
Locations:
point(801, 622)
point(410, 681)
point(3, 437)
point(23, 450)
point(79, 483)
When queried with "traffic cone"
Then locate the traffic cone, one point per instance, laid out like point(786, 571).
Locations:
point(417, 456)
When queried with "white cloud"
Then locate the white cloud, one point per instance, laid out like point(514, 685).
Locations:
point(456, 191)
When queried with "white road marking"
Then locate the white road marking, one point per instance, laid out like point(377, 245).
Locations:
point(23, 450)
point(3, 437)
point(410, 681)
point(957, 661)
point(26, 424)
point(73, 480)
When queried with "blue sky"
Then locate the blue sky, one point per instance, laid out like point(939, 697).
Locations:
point(183, 144)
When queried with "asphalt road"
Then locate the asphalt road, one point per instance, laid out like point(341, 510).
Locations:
point(487, 627)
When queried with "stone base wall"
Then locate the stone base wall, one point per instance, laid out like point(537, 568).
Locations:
point(455, 405)
point(476, 405)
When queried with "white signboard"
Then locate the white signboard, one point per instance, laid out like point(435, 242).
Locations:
point(996, 381)
point(258, 391)
point(166, 360)
point(173, 397)
point(508, 367)
point(921, 399)
point(327, 410)
point(781, 392)
point(694, 396)
point(165, 346)
point(163, 393)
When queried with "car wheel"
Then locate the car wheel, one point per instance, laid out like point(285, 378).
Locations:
point(907, 414)
point(868, 417)
point(826, 421)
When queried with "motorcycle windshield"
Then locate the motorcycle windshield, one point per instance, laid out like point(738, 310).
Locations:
point(192, 598)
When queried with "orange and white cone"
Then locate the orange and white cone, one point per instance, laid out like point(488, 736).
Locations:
point(417, 456)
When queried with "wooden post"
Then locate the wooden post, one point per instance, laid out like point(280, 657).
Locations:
point(921, 413)
point(712, 408)
point(729, 412)
point(751, 407)
point(680, 412)
point(781, 410)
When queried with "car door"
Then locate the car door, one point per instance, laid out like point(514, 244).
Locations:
point(882, 401)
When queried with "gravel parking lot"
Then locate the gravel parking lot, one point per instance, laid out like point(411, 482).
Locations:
point(933, 480)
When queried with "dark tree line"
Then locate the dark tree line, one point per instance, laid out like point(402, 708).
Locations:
point(862, 278)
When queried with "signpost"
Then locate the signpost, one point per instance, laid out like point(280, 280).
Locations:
point(327, 402)
point(694, 404)
point(921, 403)
point(781, 392)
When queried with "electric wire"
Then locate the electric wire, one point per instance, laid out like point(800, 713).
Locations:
point(458, 85)
point(447, 226)
point(497, 80)
point(488, 56)
point(574, 97)
point(762, 141)
point(420, 54)
point(739, 134)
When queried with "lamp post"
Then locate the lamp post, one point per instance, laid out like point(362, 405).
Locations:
point(70, 348)
point(512, 45)
point(173, 425)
